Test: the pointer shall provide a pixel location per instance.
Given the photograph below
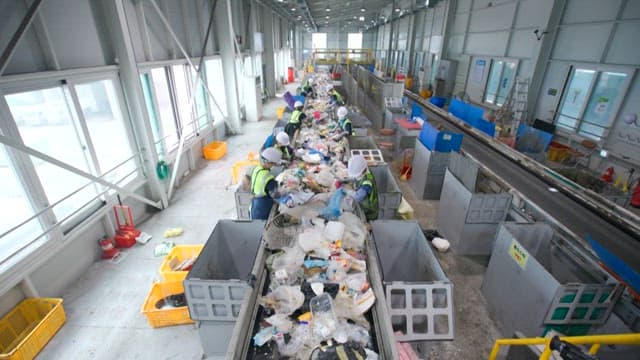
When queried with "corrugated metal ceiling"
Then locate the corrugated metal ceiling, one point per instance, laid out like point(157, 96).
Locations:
point(356, 14)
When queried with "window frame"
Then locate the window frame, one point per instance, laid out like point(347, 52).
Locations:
point(53, 228)
point(146, 70)
point(492, 61)
point(599, 69)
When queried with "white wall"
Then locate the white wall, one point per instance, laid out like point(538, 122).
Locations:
point(602, 34)
point(502, 30)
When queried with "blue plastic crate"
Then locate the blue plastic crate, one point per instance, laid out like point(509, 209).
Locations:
point(441, 141)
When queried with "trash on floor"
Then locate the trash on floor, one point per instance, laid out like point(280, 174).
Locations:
point(163, 248)
point(173, 232)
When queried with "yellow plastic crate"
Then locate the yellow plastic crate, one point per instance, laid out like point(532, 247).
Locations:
point(178, 254)
point(165, 317)
point(28, 327)
point(557, 152)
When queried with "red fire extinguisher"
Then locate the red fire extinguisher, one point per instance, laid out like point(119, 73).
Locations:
point(108, 250)
point(608, 175)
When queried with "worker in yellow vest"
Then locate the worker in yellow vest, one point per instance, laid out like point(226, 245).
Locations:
point(282, 144)
point(263, 185)
point(336, 98)
point(366, 190)
point(344, 124)
point(297, 116)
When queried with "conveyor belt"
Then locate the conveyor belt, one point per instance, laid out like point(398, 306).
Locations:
point(578, 218)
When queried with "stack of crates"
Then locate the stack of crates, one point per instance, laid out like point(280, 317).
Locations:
point(171, 285)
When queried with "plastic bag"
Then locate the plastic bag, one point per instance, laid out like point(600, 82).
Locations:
point(280, 322)
point(299, 337)
point(355, 231)
point(334, 208)
point(286, 267)
point(350, 332)
point(324, 320)
point(284, 299)
point(333, 231)
point(311, 240)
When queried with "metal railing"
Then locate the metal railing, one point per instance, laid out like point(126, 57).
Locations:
point(594, 340)
point(342, 56)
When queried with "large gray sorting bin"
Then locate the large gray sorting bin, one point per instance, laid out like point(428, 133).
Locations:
point(545, 285)
point(362, 143)
point(389, 194)
point(466, 218)
point(218, 283)
point(429, 168)
point(419, 294)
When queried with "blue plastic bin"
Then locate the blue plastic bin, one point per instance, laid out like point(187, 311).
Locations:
point(438, 101)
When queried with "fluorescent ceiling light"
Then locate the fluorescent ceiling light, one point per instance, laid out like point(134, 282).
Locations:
point(361, 18)
point(397, 9)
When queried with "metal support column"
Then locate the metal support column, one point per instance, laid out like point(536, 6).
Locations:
point(270, 70)
point(130, 78)
point(224, 29)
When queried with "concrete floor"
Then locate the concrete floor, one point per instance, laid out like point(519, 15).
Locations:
point(103, 307)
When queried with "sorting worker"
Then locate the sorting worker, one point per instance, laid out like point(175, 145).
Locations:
point(307, 88)
point(297, 116)
point(344, 124)
point(365, 189)
point(282, 144)
point(335, 96)
point(263, 185)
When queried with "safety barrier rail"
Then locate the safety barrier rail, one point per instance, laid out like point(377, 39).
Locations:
point(594, 340)
point(342, 56)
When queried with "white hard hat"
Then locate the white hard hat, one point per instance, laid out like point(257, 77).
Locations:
point(357, 166)
point(282, 138)
point(342, 111)
point(272, 155)
point(310, 80)
point(298, 104)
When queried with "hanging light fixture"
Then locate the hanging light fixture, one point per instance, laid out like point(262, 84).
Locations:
point(327, 9)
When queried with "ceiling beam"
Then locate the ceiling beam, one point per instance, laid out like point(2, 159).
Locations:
point(22, 29)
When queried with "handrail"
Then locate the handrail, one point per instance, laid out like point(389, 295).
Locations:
point(349, 56)
point(594, 340)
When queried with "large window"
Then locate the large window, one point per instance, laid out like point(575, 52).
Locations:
point(78, 122)
point(590, 100)
point(319, 41)
point(16, 209)
point(46, 124)
point(109, 135)
point(500, 81)
point(215, 81)
point(354, 41)
point(168, 95)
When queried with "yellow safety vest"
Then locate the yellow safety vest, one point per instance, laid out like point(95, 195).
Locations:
point(260, 177)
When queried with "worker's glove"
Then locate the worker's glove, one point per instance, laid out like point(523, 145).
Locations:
point(349, 193)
